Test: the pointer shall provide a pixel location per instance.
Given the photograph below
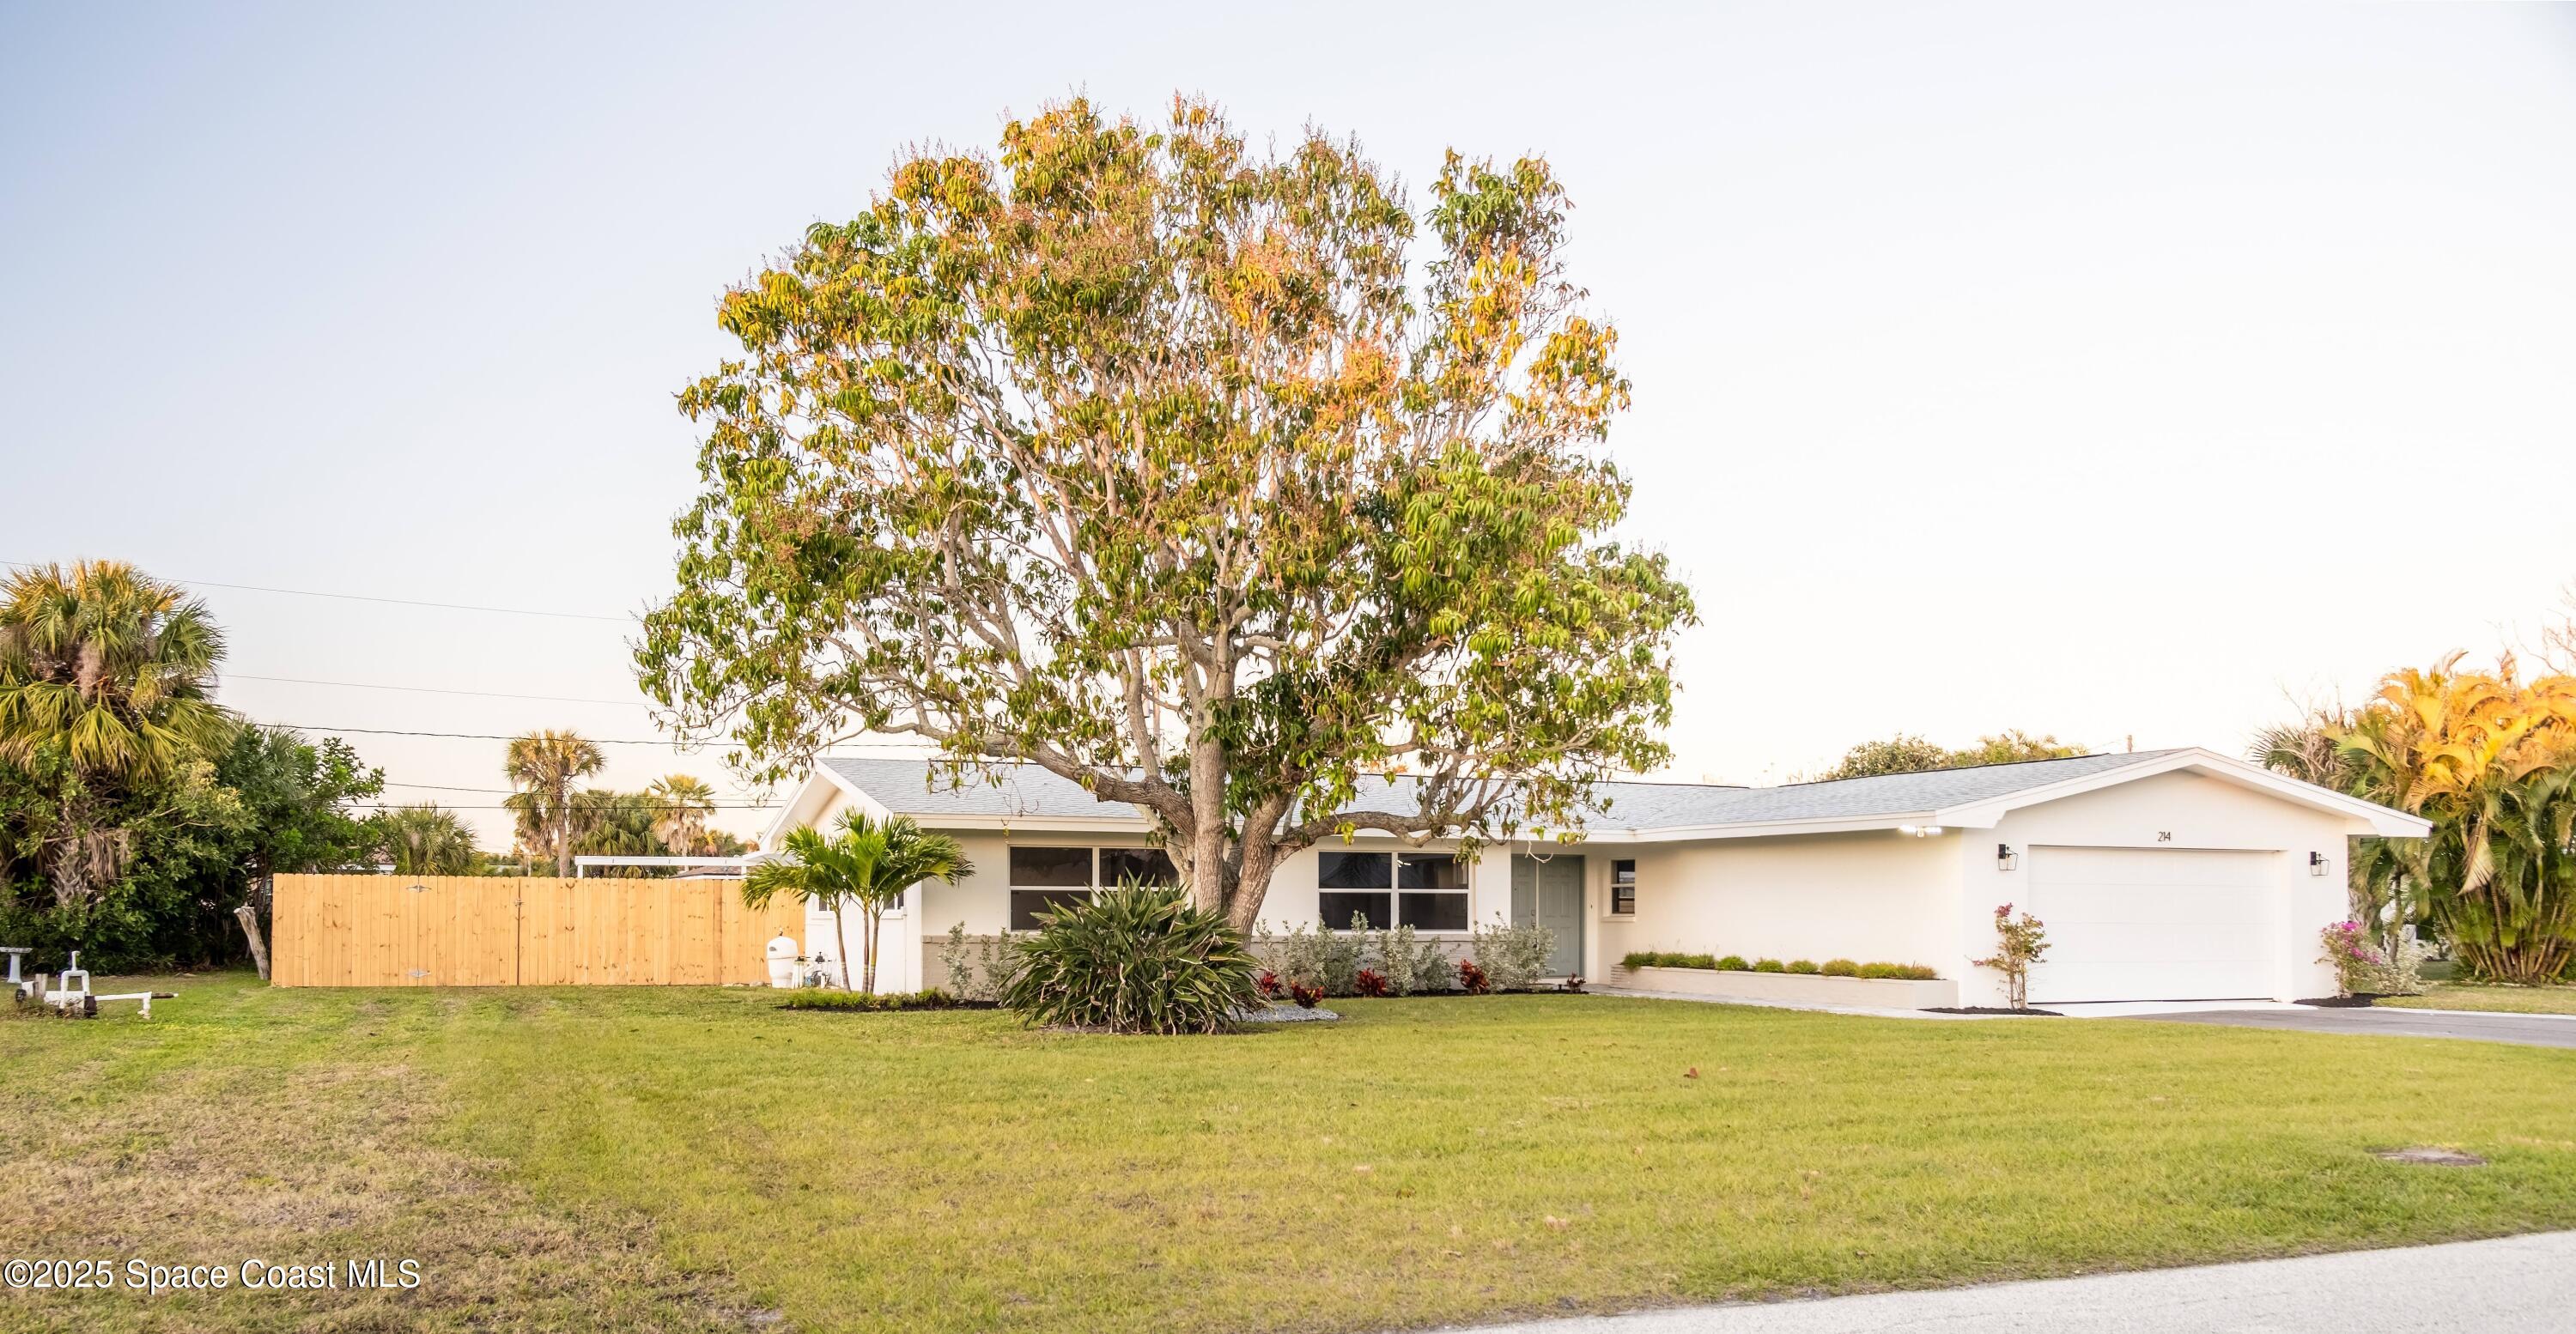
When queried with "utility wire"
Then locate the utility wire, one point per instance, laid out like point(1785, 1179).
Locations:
point(398, 805)
point(363, 597)
point(435, 690)
point(318, 729)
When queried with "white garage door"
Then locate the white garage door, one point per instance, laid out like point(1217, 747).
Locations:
point(2152, 924)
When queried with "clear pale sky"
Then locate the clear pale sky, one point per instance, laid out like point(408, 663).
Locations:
point(2106, 373)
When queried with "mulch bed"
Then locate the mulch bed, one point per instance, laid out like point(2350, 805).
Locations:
point(2340, 1002)
point(1992, 1009)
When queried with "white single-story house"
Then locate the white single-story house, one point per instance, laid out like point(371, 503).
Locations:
point(2160, 875)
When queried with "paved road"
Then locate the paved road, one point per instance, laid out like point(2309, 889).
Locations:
point(2530, 1030)
point(2517, 1285)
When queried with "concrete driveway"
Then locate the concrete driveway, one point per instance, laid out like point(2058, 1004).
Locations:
point(2516, 1285)
point(2530, 1030)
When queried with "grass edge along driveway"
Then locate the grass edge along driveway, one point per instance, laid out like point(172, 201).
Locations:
point(1421, 1162)
point(2490, 998)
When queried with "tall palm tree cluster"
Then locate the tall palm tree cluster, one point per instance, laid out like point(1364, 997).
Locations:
point(2490, 760)
point(107, 679)
point(558, 820)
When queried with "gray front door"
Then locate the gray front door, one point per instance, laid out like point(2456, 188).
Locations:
point(1550, 893)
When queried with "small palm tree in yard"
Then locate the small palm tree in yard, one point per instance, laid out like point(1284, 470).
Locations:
point(868, 865)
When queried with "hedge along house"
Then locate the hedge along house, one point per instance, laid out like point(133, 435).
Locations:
point(2161, 875)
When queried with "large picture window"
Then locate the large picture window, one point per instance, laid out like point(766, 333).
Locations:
point(1423, 890)
point(1043, 879)
point(1143, 866)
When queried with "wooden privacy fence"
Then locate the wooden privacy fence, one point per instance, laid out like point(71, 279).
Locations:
point(496, 931)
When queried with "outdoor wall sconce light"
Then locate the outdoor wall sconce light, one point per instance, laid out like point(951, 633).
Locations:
point(2316, 863)
point(2005, 857)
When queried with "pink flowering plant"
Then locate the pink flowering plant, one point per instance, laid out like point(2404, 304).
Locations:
point(2019, 943)
point(2363, 969)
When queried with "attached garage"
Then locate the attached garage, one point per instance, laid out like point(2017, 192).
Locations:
point(2130, 924)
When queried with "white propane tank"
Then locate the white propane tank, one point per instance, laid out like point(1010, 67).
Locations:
point(782, 960)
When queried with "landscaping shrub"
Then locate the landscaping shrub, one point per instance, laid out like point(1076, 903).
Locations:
point(1904, 972)
point(1641, 959)
point(1269, 985)
point(1511, 957)
point(1805, 967)
point(1769, 966)
point(1410, 965)
point(1841, 968)
point(2361, 968)
point(1369, 982)
point(818, 998)
point(1472, 979)
point(1305, 995)
point(1733, 963)
point(2018, 944)
point(1695, 960)
point(1137, 959)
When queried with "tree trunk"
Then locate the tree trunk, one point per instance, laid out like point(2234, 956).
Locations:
point(258, 948)
point(841, 935)
point(1208, 887)
point(868, 939)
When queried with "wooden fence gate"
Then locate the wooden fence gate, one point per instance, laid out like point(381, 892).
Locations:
point(503, 931)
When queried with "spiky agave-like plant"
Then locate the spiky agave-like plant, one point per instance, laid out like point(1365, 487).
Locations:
point(1138, 959)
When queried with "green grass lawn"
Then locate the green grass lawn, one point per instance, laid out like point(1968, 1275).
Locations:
point(2474, 996)
point(699, 1159)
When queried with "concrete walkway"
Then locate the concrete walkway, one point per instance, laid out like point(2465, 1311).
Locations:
point(2529, 1030)
point(2516, 1285)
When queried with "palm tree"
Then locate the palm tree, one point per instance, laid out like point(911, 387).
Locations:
point(608, 823)
point(681, 820)
point(543, 767)
point(424, 840)
point(869, 865)
point(107, 671)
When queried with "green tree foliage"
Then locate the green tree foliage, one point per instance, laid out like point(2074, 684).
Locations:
point(299, 799)
point(424, 840)
point(2490, 760)
point(106, 677)
point(1141, 454)
point(683, 802)
point(135, 814)
point(1906, 753)
point(543, 766)
point(867, 866)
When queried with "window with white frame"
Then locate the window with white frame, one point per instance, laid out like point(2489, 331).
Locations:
point(1623, 888)
point(1423, 890)
point(1044, 878)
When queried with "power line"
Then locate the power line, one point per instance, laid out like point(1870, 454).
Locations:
point(399, 805)
point(435, 690)
point(457, 736)
point(363, 597)
point(897, 750)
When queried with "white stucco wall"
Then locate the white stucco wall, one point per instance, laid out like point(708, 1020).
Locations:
point(1875, 896)
point(2168, 811)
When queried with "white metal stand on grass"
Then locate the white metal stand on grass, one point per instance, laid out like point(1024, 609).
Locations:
point(62, 996)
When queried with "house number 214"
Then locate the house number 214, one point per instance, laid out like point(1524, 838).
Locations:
point(2164, 836)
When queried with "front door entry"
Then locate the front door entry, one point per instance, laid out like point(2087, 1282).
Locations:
point(1549, 892)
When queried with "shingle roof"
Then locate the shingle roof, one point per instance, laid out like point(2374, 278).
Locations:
point(1024, 791)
